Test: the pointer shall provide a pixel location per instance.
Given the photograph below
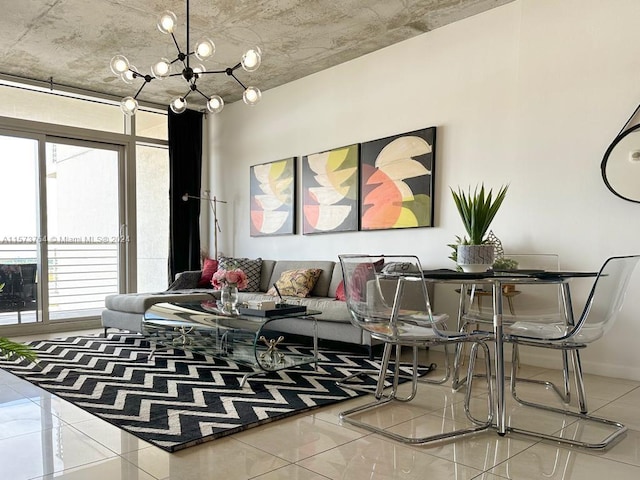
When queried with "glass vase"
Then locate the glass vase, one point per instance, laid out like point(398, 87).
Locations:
point(229, 298)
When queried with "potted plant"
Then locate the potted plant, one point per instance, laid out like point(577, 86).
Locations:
point(11, 349)
point(477, 210)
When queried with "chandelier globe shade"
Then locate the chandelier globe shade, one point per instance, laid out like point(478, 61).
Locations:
point(251, 96)
point(167, 22)
point(215, 104)
point(162, 68)
point(178, 105)
point(128, 77)
point(129, 106)
point(205, 48)
point(251, 59)
point(119, 65)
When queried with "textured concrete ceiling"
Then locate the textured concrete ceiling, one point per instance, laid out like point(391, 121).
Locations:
point(72, 41)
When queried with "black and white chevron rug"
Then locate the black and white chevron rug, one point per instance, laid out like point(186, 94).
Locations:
point(179, 399)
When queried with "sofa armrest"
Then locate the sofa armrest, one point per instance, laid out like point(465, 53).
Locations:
point(187, 279)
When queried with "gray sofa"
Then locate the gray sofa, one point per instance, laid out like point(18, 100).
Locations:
point(125, 311)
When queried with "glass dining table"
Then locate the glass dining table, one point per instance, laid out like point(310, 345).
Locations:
point(495, 280)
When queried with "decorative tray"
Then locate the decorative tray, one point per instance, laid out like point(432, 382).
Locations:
point(281, 309)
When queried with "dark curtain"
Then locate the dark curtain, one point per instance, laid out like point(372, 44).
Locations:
point(185, 171)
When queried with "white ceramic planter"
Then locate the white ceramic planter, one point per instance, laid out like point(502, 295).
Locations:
point(475, 258)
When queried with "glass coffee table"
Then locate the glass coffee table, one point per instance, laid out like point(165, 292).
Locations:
point(200, 327)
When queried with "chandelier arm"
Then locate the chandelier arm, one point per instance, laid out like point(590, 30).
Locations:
point(198, 90)
point(141, 87)
point(187, 64)
point(175, 42)
point(212, 71)
point(237, 80)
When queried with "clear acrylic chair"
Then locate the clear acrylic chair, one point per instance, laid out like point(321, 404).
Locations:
point(539, 302)
point(601, 309)
point(387, 297)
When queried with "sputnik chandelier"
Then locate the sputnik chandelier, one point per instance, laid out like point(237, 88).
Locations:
point(165, 68)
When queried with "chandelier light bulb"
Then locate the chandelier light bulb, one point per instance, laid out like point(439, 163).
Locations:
point(199, 68)
point(161, 69)
point(129, 76)
point(119, 64)
point(167, 22)
point(129, 106)
point(215, 104)
point(205, 48)
point(251, 95)
point(251, 59)
point(178, 105)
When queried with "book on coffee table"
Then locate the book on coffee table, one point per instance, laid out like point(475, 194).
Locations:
point(281, 309)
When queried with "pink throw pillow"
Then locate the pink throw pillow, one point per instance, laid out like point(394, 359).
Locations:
point(208, 269)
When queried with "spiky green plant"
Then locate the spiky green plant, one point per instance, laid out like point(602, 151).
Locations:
point(11, 349)
point(477, 210)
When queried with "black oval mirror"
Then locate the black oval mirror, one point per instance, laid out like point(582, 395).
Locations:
point(621, 165)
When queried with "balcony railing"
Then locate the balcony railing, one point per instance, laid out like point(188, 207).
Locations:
point(80, 274)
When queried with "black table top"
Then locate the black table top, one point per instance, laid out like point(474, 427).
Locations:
point(447, 274)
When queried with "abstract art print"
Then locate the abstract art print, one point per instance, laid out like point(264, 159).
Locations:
point(396, 181)
point(272, 191)
point(330, 191)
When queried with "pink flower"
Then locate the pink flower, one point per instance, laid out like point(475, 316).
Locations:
point(236, 276)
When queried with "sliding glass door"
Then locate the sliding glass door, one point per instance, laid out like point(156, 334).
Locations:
point(85, 235)
point(18, 230)
point(62, 231)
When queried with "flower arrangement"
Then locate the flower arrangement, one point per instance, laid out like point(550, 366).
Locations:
point(226, 277)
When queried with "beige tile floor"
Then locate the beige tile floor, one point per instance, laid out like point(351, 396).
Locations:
point(43, 437)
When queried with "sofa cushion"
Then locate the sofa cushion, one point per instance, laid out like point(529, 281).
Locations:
point(265, 274)
point(209, 267)
point(140, 302)
point(296, 283)
point(251, 268)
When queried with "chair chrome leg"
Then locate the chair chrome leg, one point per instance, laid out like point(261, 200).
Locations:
point(565, 376)
point(447, 371)
point(456, 383)
point(618, 427)
point(347, 417)
point(469, 380)
point(383, 374)
point(619, 430)
point(564, 396)
point(577, 369)
point(348, 381)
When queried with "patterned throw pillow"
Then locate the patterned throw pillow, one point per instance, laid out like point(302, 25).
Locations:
point(251, 267)
point(296, 283)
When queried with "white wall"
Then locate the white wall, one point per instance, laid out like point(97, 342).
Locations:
point(530, 94)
